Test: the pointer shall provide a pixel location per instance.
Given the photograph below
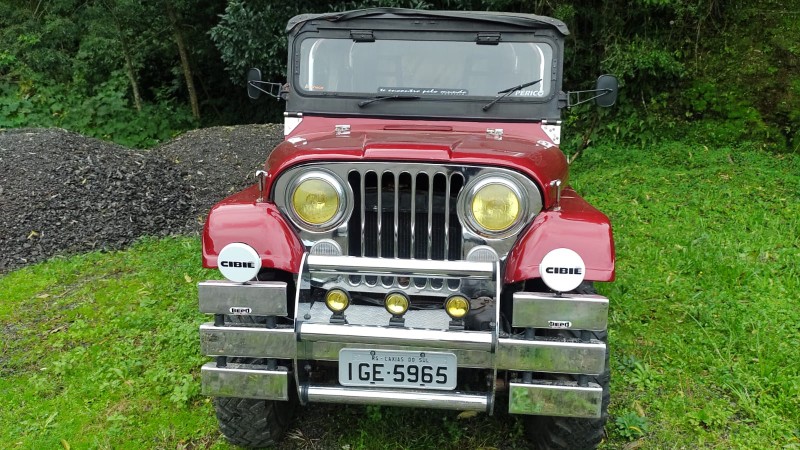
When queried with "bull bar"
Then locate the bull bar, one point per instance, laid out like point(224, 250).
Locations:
point(318, 341)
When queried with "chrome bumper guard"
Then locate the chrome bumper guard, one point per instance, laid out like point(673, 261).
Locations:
point(242, 380)
point(479, 350)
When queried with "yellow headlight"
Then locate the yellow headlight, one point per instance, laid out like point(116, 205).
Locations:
point(396, 303)
point(337, 300)
point(495, 207)
point(456, 306)
point(315, 201)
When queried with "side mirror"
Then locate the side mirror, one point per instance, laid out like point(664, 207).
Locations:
point(253, 80)
point(607, 87)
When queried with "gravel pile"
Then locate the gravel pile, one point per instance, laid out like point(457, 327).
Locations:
point(61, 192)
point(216, 162)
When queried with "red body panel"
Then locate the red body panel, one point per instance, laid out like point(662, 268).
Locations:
point(577, 226)
point(239, 218)
point(524, 148)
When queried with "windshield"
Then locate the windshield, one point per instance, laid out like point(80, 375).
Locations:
point(424, 68)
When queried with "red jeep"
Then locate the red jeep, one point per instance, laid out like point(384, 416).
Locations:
point(414, 240)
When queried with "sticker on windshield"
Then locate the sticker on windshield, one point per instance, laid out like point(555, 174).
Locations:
point(421, 91)
point(538, 93)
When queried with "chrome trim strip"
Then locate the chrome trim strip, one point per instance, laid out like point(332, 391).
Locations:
point(303, 284)
point(430, 213)
point(249, 342)
point(396, 211)
point(463, 340)
point(329, 351)
point(397, 397)
point(241, 380)
point(495, 331)
point(565, 399)
point(362, 177)
point(540, 310)
point(413, 214)
point(448, 180)
point(380, 210)
point(260, 298)
point(400, 267)
point(551, 356)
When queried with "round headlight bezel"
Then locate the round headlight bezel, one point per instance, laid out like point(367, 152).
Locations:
point(341, 189)
point(467, 195)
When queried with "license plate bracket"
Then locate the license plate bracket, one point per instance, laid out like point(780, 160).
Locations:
point(397, 369)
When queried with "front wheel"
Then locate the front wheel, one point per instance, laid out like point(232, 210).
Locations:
point(253, 423)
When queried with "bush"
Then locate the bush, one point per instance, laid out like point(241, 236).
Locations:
point(106, 114)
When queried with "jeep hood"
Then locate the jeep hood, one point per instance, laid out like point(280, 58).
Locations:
point(535, 156)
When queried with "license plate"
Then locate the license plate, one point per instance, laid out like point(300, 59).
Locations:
point(399, 369)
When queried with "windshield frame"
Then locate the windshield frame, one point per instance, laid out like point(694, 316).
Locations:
point(512, 108)
point(548, 79)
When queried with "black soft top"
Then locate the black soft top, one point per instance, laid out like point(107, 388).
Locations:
point(516, 19)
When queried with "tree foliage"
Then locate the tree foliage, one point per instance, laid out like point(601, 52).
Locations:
point(723, 69)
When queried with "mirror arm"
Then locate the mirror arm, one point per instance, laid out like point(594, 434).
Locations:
point(602, 92)
point(273, 87)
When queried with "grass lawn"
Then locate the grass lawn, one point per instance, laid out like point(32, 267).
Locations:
point(101, 350)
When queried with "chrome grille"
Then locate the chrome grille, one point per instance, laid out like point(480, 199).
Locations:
point(417, 217)
point(405, 213)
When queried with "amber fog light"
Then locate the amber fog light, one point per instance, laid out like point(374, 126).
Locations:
point(457, 306)
point(337, 300)
point(396, 303)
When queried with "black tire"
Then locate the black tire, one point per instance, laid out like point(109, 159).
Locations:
point(571, 433)
point(253, 423)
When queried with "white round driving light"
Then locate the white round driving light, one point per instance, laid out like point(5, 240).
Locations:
point(562, 270)
point(239, 262)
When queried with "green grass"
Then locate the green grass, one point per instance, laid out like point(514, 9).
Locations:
point(705, 313)
point(101, 350)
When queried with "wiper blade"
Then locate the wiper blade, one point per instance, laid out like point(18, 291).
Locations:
point(388, 97)
point(509, 91)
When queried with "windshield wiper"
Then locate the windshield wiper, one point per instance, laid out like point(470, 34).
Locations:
point(509, 91)
point(388, 97)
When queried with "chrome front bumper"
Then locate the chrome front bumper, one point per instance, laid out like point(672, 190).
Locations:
point(315, 340)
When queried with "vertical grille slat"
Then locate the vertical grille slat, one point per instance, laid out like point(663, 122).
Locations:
point(430, 216)
point(413, 214)
point(403, 213)
point(379, 211)
point(396, 212)
point(363, 190)
point(446, 217)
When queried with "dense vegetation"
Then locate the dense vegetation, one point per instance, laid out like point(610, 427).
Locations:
point(137, 72)
point(101, 351)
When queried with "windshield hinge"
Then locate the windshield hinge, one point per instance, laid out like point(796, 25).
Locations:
point(495, 133)
point(488, 38)
point(552, 128)
point(342, 130)
point(362, 35)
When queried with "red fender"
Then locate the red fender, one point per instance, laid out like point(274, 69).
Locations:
point(577, 226)
point(240, 218)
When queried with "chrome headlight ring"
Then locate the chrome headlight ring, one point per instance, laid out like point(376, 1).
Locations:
point(467, 195)
point(342, 190)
